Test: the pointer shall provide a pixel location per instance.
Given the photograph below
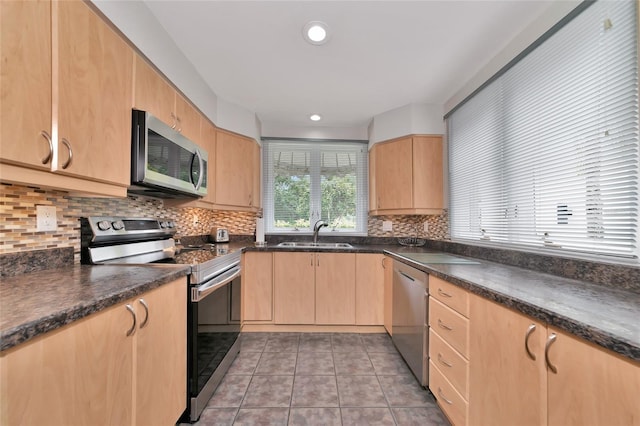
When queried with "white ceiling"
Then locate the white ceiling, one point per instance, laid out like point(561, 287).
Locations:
point(382, 54)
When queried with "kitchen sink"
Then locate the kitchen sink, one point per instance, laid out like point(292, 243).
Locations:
point(296, 244)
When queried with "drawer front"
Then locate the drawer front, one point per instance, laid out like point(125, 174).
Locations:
point(450, 363)
point(451, 402)
point(450, 325)
point(453, 296)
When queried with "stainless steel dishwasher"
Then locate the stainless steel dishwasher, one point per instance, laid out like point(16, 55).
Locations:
point(410, 292)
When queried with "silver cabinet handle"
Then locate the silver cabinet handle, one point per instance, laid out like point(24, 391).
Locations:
point(443, 294)
point(552, 338)
point(442, 361)
point(133, 314)
point(383, 264)
point(175, 122)
point(46, 135)
point(179, 122)
point(68, 145)
point(443, 325)
point(146, 312)
point(528, 334)
point(441, 395)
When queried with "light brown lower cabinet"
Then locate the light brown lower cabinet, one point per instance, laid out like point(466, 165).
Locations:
point(314, 288)
point(91, 372)
point(388, 294)
point(294, 288)
point(369, 288)
point(513, 382)
point(257, 286)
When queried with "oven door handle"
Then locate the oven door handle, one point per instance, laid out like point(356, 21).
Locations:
point(200, 292)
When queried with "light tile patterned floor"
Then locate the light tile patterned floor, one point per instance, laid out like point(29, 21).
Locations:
point(320, 379)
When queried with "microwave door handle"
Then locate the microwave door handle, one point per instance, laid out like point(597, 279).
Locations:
point(200, 173)
point(200, 292)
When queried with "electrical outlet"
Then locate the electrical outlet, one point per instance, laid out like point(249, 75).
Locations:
point(387, 226)
point(426, 227)
point(46, 218)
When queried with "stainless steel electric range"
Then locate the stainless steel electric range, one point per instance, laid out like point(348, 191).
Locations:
point(213, 313)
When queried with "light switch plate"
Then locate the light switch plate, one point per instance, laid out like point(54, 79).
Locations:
point(387, 225)
point(426, 227)
point(46, 219)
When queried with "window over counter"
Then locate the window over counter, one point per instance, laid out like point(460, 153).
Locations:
point(546, 153)
point(309, 180)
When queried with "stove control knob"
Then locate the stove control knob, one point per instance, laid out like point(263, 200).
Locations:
point(118, 225)
point(170, 224)
point(103, 225)
point(164, 224)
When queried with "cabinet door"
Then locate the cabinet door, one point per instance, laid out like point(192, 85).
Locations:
point(234, 170)
point(188, 119)
point(506, 386)
point(394, 175)
point(152, 93)
point(257, 286)
point(369, 289)
point(373, 194)
point(94, 106)
point(592, 386)
point(256, 193)
point(80, 374)
point(294, 288)
point(208, 141)
point(25, 82)
point(161, 379)
point(335, 288)
point(427, 169)
point(388, 293)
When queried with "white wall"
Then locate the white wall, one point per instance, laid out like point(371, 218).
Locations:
point(237, 119)
point(138, 24)
point(557, 11)
point(314, 132)
point(406, 120)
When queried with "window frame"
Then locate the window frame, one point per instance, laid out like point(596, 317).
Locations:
point(315, 147)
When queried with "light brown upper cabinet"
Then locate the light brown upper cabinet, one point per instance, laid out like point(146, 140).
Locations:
point(154, 94)
point(237, 180)
point(79, 86)
point(208, 137)
point(25, 83)
point(406, 176)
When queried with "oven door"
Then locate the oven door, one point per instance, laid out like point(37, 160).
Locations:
point(213, 336)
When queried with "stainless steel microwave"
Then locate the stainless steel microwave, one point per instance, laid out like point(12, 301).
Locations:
point(164, 163)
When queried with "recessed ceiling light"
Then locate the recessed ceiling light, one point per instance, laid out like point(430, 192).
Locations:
point(315, 117)
point(316, 32)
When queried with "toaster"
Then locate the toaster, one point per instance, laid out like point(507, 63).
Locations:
point(220, 235)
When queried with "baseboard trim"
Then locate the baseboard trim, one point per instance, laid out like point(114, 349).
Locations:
point(313, 328)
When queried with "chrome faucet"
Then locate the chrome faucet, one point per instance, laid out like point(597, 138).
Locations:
point(316, 228)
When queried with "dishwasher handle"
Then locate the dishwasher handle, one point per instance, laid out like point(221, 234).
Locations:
point(406, 276)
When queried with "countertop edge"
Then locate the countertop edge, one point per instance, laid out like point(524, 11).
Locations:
point(612, 342)
point(27, 331)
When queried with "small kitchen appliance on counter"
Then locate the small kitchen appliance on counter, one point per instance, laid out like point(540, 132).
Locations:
point(220, 235)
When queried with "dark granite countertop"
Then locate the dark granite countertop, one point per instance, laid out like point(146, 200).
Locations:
point(606, 316)
point(35, 303)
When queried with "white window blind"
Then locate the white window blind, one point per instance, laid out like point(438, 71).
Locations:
point(306, 181)
point(546, 154)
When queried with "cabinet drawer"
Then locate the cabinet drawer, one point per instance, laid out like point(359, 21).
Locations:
point(450, 325)
point(450, 363)
point(455, 297)
point(451, 402)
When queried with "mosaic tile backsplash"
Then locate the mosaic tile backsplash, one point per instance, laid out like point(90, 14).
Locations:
point(18, 219)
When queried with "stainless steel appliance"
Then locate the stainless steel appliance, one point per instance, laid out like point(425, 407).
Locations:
point(164, 163)
point(213, 313)
point(220, 235)
point(409, 317)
